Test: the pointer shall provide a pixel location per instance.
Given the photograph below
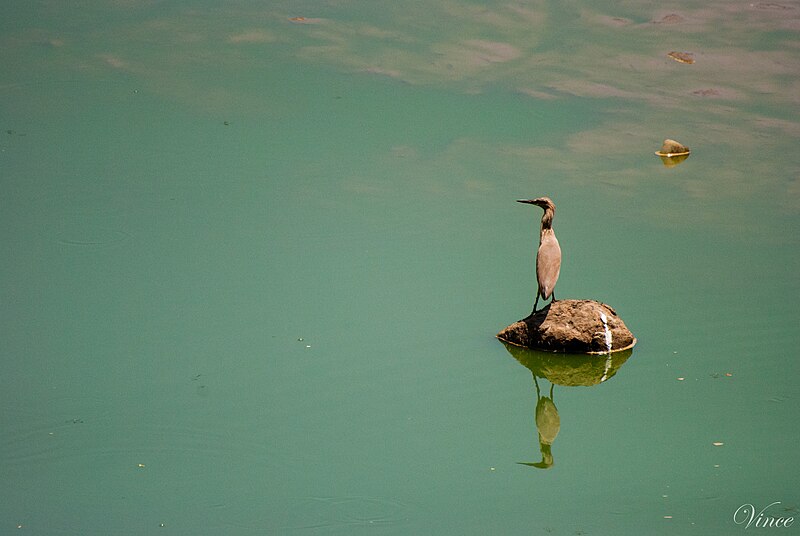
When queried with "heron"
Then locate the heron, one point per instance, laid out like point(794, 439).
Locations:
point(548, 256)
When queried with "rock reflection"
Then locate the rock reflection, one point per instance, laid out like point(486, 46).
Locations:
point(564, 370)
point(672, 161)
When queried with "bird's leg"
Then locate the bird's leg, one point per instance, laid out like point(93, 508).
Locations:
point(534, 304)
point(552, 297)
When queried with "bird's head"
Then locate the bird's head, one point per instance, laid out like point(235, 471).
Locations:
point(544, 202)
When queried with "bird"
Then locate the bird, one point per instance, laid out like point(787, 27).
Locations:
point(548, 256)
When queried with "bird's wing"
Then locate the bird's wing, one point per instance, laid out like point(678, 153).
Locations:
point(548, 266)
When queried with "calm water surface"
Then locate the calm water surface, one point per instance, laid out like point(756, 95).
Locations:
point(254, 258)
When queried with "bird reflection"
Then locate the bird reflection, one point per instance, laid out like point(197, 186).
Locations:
point(568, 371)
point(548, 423)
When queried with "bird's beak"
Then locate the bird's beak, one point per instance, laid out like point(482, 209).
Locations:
point(529, 201)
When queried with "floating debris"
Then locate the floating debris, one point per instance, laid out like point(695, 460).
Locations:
point(307, 20)
point(672, 18)
point(707, 92)
point(717, 443)
point(767, 5)
point(682, 57)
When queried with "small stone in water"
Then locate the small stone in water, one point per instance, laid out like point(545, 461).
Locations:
point(672, 148)
point(682, 57)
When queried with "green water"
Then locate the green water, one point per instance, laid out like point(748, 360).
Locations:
point(252, 267)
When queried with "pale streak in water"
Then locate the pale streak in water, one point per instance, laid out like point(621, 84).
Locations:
point(608, 347)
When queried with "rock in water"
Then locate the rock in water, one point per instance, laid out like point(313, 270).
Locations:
point(682, 57)
point(571, 326)
point(672, 148)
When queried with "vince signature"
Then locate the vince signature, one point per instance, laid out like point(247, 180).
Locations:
point(746, 515)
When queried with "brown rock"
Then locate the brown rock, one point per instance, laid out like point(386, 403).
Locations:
point(571, 326)
point(672, 148)
point(682, 57)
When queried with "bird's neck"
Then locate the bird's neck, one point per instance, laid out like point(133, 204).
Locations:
point(547, 219)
